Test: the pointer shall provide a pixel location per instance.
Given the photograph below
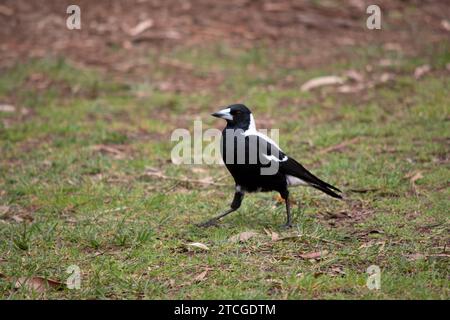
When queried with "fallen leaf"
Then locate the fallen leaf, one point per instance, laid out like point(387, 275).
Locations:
point(242, 237)
point(352, 88)
point(17, 218)
point(201, 276)
point(385, 77)
point(115, 151)
point(321, 81)
point(445, 24)
point(140, 27)
point(419, 72)
point(272, 234)
point(7, 108)
point(38, 284)
point(337, 270)
point(314, 255)
point(4, 210)
point(354, 75)
point(4, 10)
point(414, 176)
point(198, 245)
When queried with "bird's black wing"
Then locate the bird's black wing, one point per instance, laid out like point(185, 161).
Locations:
point(293, 168)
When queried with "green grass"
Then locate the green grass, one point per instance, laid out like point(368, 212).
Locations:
point(68, 204)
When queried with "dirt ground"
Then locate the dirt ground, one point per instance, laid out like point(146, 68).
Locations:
point(314, 30)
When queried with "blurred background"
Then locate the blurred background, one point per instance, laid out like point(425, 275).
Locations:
point(118, 36)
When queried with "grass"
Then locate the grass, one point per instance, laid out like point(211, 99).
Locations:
point(66, 203)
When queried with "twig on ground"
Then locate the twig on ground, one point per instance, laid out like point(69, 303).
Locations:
point(339, 146)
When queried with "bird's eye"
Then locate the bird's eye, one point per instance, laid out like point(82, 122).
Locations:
point(238, 112)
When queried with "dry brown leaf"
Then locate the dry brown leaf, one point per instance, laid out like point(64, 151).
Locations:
point(445, 24)
point(38, 284)
point(140, 27)
point(320, 82)
point(115, 151)
point(7, 108)
point(353, 88)
point(385, 77)
point(17, 218)
point(4, 10)
point(272, 234)
point(243, 236)
point(198, 245)
point(419, 72)
point(414, 176)
point(201, 276)
point(4, 210)
point(314, 255)
point(337, 270)
point(354, 75)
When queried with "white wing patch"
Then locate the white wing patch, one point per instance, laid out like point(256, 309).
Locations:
point(272, 157)
point(251, 131)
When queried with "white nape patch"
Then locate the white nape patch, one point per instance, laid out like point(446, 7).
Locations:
point(252, 125)
point(272, 157)
point(252, 131)
point(294, 181)
point(238, 188)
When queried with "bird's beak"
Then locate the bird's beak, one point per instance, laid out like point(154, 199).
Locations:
point(223, 114)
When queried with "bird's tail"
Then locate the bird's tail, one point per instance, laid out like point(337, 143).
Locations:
point(327, 190)
point(294, 168)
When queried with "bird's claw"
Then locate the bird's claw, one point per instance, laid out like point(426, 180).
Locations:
point(287, 226)
point(208, 223)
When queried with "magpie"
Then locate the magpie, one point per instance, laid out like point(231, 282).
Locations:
point(257, 163)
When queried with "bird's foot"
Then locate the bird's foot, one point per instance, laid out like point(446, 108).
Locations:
point(208, 223)
point(287, 225)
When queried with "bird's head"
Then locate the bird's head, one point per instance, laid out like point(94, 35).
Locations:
point(237, 115)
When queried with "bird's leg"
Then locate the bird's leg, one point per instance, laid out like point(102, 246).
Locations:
point(237, 200)
point(285, 196)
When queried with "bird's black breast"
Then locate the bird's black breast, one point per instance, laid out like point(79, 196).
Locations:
point(242, 157)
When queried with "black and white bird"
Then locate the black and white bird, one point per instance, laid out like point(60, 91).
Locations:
point(257, 163)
